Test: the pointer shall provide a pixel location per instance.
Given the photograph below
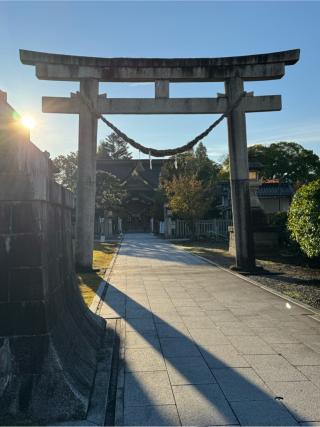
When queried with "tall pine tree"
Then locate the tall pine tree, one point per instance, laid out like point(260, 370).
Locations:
point(113, 148)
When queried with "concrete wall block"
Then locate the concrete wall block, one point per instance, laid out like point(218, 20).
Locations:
point(4, 251)
point(89, 338)
point(5, 218)
point(24, 171)
point(26, 217)
point(68, 198)
point(26, 284)
point(29, 353)
point(48, 341)
point(22, 318)
point(55, 192)
point(15, 187)
point(54, 276)
point(50, 396)
point(4, 282)
point(24, 250)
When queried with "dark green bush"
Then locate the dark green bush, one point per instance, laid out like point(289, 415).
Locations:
point(304, 218)
point(280, 221)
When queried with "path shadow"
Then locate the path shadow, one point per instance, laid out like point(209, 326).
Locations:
point(233, 398)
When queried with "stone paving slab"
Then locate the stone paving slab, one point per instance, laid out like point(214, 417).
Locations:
point(144, 359)
point(273, 367)
point(251, 345)
point(240, 384)
point(151, 415)
point(188, 370)
point(311, 340)
point(144, 388)
point(301, 398)
point(178, 347)
point(167, 331)
point(298, 354)
point(262, 413)
point(224, 356)
point(312, 373)
point(206, 347)
point(203, 405)
point(273, 335)
point(139, 340)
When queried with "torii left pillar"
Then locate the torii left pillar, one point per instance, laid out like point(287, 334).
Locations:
point(86, 186)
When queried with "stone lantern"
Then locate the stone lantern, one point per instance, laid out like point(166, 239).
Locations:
point(257, 212)
point(109, 224)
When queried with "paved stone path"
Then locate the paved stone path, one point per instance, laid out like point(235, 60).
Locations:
point(205, 347)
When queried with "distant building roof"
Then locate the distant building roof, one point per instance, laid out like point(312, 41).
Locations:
point(273, 189)
point(122, 169)
point(255, 166)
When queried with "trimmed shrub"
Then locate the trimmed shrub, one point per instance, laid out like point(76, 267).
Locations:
point(304, 218)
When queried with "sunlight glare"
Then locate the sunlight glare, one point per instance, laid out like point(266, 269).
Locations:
point(28, 122)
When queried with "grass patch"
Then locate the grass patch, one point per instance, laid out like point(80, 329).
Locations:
point(89, 282)
point(293, 294)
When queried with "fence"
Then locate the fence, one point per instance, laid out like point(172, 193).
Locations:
point(213, 228)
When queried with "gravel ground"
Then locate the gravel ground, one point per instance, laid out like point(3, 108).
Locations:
point(281, 273)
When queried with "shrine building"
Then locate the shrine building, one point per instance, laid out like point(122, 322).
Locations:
point(140, 179)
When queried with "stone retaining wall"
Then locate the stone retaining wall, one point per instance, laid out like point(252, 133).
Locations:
point(48, 338)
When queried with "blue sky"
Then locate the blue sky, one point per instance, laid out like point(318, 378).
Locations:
point(165, 29)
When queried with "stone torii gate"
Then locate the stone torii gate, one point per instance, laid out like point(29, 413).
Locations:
point(233, 71)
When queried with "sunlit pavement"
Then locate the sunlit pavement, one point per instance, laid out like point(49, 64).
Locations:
point(205, 347)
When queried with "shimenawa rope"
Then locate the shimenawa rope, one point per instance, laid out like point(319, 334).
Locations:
point(170, 151)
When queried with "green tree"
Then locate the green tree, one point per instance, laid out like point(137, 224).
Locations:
point(66, 166)
point(304, 218)
point(207, 170)
point(109, 191)
point(187, 198)
point(67, 170)
point(224, 171)
point(181, 165)
point(195, 167)
point(193, 164)
point(113, 147)
point(298, 164)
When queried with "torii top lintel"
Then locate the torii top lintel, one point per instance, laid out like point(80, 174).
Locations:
point(267, 66)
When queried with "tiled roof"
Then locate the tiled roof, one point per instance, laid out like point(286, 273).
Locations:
point(122, 169)
point(275, 190)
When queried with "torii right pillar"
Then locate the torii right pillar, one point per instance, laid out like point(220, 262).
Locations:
point(239, 179)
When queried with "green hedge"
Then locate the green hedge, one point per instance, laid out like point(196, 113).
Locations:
point(304, 218)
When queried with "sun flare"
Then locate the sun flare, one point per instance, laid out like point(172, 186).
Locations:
point(28, 122)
